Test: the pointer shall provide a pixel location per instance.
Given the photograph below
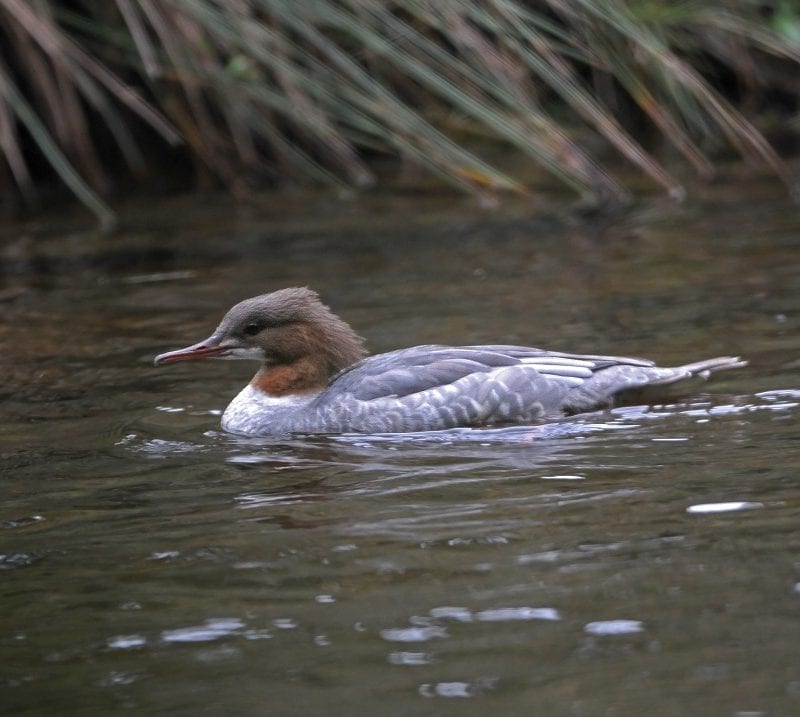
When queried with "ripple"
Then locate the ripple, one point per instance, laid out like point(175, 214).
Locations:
point(15, 560)
point(248, 501)
point(127, 642)
point(284, 623)
point(164, 555)
point(562, 477)
point(509, 614)
point(613, 627)
point(413, 634)
point(457, 614)
point(555, 435)
point(728, 507)
point(23, 522)
point(213, 629)
point(780, 393)
point(116, 678)
point(458, 689)
point(160, 447)
point(446, 689)
point(413, 659)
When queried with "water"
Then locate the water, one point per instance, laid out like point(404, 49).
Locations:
point(638, 561)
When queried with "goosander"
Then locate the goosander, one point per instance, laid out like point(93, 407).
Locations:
point(314, 377)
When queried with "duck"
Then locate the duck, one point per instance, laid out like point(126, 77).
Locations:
point(315, 376)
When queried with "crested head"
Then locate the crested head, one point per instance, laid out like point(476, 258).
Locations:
point(289, 324)
point(300, 341)
point(282, 307)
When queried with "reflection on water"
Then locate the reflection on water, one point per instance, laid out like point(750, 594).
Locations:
point(635, 561)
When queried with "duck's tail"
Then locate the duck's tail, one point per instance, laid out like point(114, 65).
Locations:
point(629, 384)
point(703, 369)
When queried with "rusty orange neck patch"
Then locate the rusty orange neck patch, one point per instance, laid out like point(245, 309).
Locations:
point(301, 376)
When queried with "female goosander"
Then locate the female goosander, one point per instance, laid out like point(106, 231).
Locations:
point(314, 377)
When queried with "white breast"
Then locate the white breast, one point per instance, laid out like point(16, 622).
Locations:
point(253, 409)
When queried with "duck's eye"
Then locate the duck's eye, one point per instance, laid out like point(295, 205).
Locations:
point(253, 328)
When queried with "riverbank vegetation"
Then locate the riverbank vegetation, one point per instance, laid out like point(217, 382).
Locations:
point(102, 97)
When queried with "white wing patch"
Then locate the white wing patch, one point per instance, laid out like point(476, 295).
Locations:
point(572, 371)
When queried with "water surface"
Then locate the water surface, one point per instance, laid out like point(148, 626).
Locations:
point(637, 561)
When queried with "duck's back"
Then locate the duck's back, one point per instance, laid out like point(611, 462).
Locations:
point(436, 387)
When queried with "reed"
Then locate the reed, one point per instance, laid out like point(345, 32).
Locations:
point(279, 90)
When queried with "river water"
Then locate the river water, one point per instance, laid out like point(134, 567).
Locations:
point(637, 561)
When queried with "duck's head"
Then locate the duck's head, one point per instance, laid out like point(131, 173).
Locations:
point(280, 328)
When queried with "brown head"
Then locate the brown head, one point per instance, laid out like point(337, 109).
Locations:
point(299, 340)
